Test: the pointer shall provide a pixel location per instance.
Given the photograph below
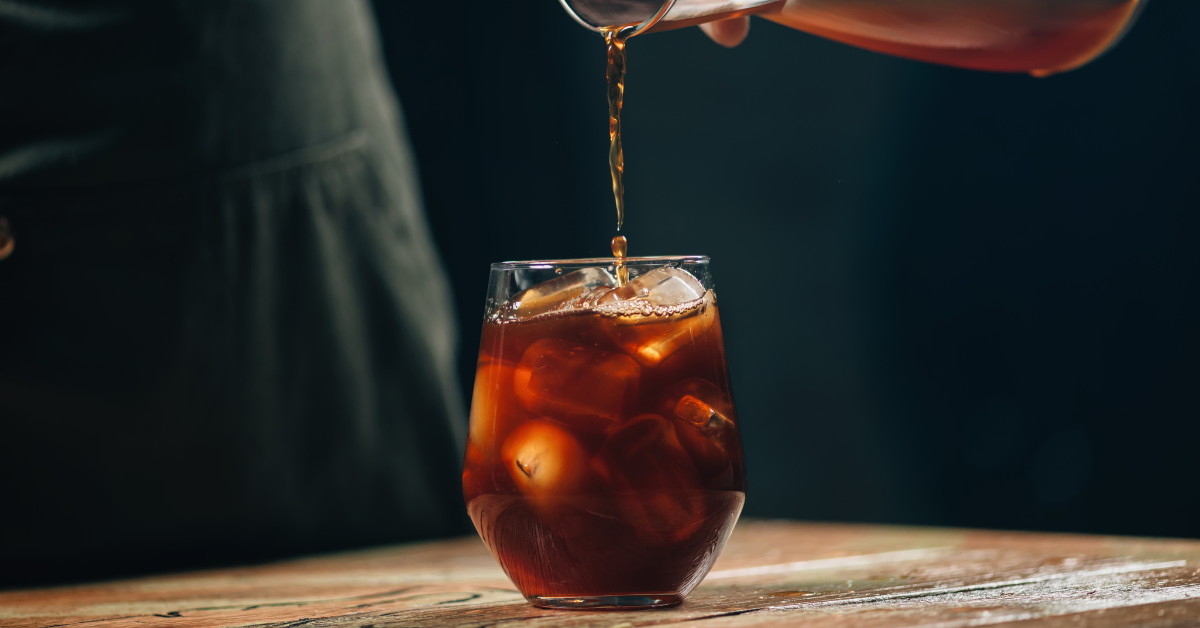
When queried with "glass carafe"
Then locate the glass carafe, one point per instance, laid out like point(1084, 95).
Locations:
point(1040, 37)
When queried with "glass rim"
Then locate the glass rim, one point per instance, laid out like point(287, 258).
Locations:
point(595, 261)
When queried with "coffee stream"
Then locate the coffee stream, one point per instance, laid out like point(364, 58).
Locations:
point(619, 247)
point(615, 37)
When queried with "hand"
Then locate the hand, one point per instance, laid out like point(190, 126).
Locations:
point(728, 33)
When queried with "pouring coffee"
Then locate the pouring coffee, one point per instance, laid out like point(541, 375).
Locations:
point(1040, 37)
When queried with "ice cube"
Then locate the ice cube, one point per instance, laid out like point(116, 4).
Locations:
point(654, 481)
point(705, 424)
point(544, 459)
point(701, 404)
point(580, 386)
point(654, 333)
point(560, 293)
point(664, 286)
point(494, 408)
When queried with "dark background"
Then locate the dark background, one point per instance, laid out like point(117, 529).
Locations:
point(950, 297)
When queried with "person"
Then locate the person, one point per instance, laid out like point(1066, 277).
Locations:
point(226, 333)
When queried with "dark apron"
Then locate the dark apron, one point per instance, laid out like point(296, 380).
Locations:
point(225, 334)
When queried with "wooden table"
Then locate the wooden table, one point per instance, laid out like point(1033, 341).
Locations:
point(771, 573)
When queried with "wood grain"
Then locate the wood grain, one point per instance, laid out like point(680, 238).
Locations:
point(771, 573)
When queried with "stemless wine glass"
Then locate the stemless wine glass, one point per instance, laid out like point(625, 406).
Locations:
point(604, 466)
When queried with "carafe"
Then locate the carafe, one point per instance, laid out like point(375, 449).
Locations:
point(1041, 37)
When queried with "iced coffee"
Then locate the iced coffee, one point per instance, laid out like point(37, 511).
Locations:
point(604, 465)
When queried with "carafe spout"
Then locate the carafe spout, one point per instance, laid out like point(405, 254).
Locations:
point(660, 15)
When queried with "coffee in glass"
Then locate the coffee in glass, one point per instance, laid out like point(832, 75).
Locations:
point(604, 466)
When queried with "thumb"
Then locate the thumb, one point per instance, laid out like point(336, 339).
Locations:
point(728, 33)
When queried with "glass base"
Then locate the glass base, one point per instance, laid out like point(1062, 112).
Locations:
point(591, 602)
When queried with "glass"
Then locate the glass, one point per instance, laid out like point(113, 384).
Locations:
point(661, 15)
point(1040, 37)
point(604, 465)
